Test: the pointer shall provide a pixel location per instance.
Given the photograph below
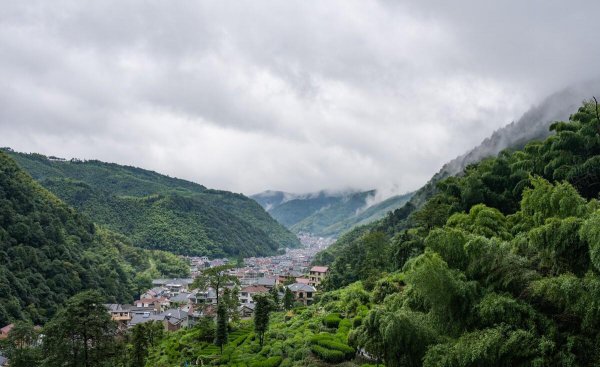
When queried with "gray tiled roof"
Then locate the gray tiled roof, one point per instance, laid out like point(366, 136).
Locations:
point(297, 287)
point(141, 318)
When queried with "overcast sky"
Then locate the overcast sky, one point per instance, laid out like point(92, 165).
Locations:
point(289, 95)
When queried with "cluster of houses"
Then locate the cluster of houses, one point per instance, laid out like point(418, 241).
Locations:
point(173, 303)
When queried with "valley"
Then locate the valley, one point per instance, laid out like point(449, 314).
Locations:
point(299, 184)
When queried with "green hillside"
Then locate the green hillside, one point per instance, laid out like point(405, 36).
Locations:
point(340, 217)
point(499, 268)
point(48, 252)
point(160, 212)
point(326, 214)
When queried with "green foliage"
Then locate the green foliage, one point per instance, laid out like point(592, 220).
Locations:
point(590, 232)
point(141, 338)
point(222, 324)
point(49, 252)
point(81, 334)
point(216, 277)
point(263, 307)
point(22, 345)
point(288, 299)
point(160, 212)
point(500, 267)
point(332, 320)
point(490, 347)
point(269, 362)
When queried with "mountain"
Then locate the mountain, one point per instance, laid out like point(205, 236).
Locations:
point(532, 125)
point(324, 213)
point(159, 212)
point(48, 252)
point(499, 268)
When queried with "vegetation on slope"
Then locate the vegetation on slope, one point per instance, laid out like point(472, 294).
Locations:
point(501, 267)
point(49, 252)
point(160, 212)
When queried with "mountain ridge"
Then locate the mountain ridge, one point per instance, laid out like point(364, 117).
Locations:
point(160, 212)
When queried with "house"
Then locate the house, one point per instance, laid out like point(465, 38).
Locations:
point(140, 318)
point(158, 304)
point(3, 361)
point(246, 310)
point(199, 297)
point(317, 274)
point(119, 313)
point(266, 282)
point(303, 280)
point(247, 292)
point(303, 293)
point(173, 285)
point(181, 299)
point(154, 292)
point(175, 319)
point(5, 330)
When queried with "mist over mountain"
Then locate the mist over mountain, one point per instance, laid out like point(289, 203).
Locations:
point(532, 125)
point(327, 213)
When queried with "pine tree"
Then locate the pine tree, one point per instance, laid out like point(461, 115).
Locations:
point(221, 334)
point(263, 306)
point(274, 292)
point(288, 299)
point(81, 334)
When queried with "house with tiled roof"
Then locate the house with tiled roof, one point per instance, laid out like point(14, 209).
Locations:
point(247, 292)
point(303, 293)
point(317, 274)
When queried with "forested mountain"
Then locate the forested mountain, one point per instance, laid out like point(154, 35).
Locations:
point(324, 213)
point(49, 252)
point(500, 267)
point(160, 212)
point(533, 125)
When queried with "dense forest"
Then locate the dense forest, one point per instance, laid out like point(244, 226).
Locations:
point(499, 268)
point(49, 252)
point(159, 212)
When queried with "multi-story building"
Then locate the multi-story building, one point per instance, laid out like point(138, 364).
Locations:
point(317, 274)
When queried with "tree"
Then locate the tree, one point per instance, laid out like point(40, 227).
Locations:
point(81, 334)
point(216, 277)
point(288, 299)
point(368, 335)
point(22, 348)
point(274, 292)
point(232, 301)
point(262, 309)
point(144, 336)
point(221, 334)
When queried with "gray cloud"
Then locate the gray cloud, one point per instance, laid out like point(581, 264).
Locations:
point(295, 95)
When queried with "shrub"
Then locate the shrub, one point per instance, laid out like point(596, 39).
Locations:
point(328, 355)
point(357, 321)
point(300, 354)
point(269, 362)
point(327, 341)
point(332, 320)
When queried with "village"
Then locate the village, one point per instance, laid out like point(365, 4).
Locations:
point(177, 304)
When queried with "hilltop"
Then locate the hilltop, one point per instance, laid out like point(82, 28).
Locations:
point(159, 212)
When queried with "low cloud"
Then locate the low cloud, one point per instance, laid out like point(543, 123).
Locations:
point(297, 96)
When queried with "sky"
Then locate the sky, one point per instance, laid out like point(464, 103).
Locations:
point(287, 95)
